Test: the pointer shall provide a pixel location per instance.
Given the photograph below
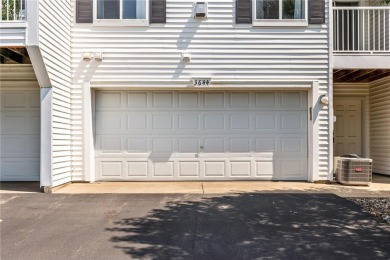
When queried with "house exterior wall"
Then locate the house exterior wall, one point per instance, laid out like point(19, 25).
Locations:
point(350, 89)
point(13, 34)
point(55, 19)
point(380, 125)
point(140, 57)
point(22, 32)
point(18, 72)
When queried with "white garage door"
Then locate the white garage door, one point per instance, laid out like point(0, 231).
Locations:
point(155, 135)
point(20, 135)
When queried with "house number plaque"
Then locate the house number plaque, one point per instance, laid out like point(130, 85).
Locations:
point(199, 82)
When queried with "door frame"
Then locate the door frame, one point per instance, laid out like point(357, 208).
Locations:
point(365, 117)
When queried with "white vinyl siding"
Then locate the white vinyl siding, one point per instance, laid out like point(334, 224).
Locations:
point(188, 135)
point(55, 18)
point(20, 124)
point(380, 125)
point(351, 89)
point(13, 36)
point(220, 49)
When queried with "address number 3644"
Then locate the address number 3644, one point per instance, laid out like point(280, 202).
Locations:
point(201, 82)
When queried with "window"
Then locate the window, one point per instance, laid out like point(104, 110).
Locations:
point(121, 12)
point(280, 12)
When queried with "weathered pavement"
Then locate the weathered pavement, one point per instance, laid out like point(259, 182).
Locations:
point(153, 226)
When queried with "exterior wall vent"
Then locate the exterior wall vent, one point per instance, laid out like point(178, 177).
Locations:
point(200, 10)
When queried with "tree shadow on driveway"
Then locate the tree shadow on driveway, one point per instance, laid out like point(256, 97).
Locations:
point(253, 226)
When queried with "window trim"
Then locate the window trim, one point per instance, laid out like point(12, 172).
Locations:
point(120, 22)
point(280, 22)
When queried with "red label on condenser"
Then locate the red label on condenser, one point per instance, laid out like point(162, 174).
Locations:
point(358, 169)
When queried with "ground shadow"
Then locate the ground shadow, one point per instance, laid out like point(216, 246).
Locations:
point(22, 186)
point(381, 178)
point(249, 226)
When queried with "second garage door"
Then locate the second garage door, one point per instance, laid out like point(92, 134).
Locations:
point(220, 135)
point(19, 135)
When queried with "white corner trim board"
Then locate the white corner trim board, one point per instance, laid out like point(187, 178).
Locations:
point(46, 138)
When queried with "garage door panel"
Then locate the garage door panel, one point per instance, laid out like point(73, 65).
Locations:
point(240, 145)
point(293, 100)
point(215, 168)
point(265, 169)
point(266, 121)
point(163, 99)
point(137, 121)
point(189, 169)
point(111, 145)
point(240, 169)
point(266, 100)
point(20, 169)
point(34, 123)
point(20, 135)
point(12, 146)
point(189, 100)
point(214, 100)
point(14, 99)
point(12, 123)
point(34, 100)
point(111, 168)
point(163, 168)
point(214, 145)
point(110, 123)
point(163, 145)
point(137, 99)
point(240, 121)
point(189, 122)
point(124, 156)
point(266, 144)
point(115, 145)
point(24, 146)
point(188, 145)
point(163, 122)
point(201, 135)
point(240, 100)
point(206, 169)
point(34, 146)
point(137, 169)
point(293, 122)
point(214, 122)
point(293, 146)
point(292, 169)
point(109, 100)
point(137, 145)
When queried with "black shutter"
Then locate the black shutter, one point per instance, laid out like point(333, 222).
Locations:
point(316, 11)
point(158, 11)
point(84, 11)
point(243, 11)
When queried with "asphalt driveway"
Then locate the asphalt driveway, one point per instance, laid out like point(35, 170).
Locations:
point(240, 226)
